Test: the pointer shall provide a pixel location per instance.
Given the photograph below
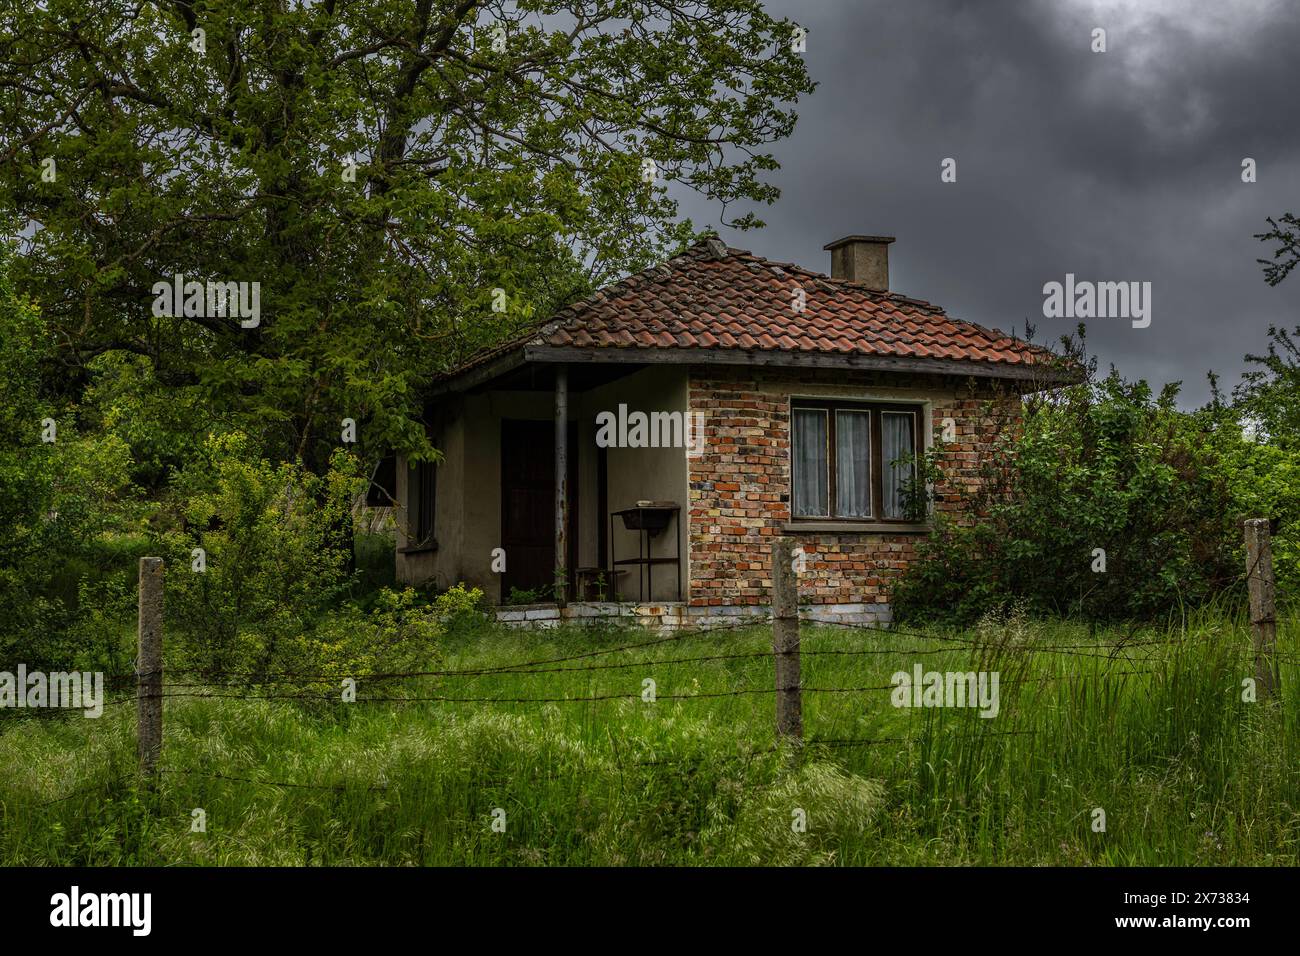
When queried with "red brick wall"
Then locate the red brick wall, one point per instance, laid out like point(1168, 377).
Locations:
point(740, 485)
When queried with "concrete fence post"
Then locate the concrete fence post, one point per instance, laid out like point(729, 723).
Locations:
point(149, 665)
point(785, 641)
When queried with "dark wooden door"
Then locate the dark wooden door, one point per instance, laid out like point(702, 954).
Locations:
point(528, 506)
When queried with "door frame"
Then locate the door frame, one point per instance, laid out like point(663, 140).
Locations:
point(571, 572)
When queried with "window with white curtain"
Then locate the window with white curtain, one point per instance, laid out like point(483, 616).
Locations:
point(853, 461)
point(897, 446)
point(811, 474)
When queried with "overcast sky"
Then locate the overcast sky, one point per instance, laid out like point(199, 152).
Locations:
point(1115, 166)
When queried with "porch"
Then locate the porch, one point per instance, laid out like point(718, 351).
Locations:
point(529, 502)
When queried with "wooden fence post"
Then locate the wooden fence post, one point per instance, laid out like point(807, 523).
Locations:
point(1263, 619)
point(785, 641)
point(148, 667)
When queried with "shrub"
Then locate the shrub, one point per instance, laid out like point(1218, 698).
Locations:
point(272, 555)
point(1264, 459)
point(524, 596)
point(398, 634)
point(461, 610)
point(1101, 465)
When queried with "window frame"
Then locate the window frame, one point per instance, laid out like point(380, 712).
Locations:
point(422, 476)
point(876, 408)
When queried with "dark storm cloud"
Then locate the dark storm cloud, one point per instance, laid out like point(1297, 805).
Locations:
point(1124, 165)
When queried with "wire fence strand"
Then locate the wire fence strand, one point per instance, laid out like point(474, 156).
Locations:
point(212, 684)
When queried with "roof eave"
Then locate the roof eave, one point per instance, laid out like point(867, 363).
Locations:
point(479, 373)
point(1035, 372)
point(1042, 374)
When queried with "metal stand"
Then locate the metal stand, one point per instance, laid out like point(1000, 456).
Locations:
point(648, 522)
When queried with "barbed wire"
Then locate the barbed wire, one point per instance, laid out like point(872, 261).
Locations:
point(1068, 650)
point(1001, 683)
point(909, 738)
point(494, 782)
point(1096, 650)
point(477, 673)
point(254, 677)
point(535, 667)
point(440, 698)
point(95, 785)
point(596, 698)
point(49, 713)
point(892, 631)
point(532, 668)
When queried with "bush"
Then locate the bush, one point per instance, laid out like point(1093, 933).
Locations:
point(460, 610)
point(524, 596)
point(1265, 482)
point(258, 552)
point(398, 634)
point(1263, 461)
point(1097, 467)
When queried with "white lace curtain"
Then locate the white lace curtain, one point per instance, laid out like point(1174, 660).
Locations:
point(897, 434)
point(853, 464)
point(810, 477)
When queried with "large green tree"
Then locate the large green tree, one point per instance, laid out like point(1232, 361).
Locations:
point(387, 170)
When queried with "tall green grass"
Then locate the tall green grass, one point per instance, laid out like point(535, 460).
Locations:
point(1149, 727)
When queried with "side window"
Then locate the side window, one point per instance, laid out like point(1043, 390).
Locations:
point(422, 485)
point(810, 467)
point(853, 461)
point(898, 448)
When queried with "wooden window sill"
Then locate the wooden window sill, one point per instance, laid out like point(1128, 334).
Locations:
point(427, 548)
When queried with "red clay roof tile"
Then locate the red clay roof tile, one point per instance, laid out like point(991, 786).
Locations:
point(741, 301)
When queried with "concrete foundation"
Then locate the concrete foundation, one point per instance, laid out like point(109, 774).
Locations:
point(676, 616)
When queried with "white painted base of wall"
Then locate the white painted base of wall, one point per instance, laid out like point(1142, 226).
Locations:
point(676, 616)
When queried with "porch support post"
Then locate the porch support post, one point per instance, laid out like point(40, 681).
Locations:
point(561, 485)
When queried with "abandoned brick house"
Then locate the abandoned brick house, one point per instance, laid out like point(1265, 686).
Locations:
point(639, 452)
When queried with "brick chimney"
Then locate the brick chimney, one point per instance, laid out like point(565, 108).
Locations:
point(862, 259)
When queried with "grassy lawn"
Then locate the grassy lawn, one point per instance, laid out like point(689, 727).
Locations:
point(1149, 727)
